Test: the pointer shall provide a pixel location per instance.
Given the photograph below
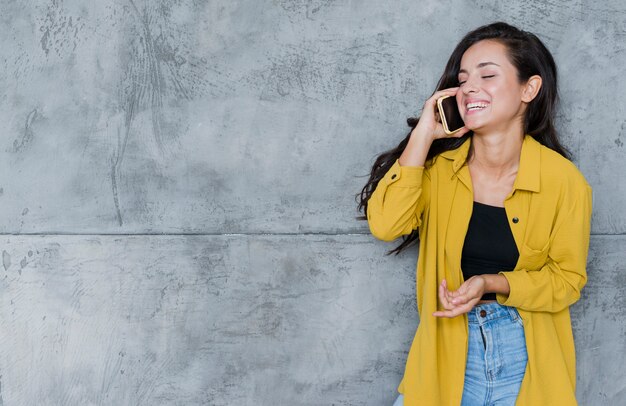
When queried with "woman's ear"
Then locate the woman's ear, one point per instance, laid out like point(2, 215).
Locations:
point(533, 84)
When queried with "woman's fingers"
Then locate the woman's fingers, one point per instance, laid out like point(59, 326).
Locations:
point(464, 130)
point(460, 299)
point(446, 296)
point(430, 122)
point(449, 299)
point(453, 312)
point(454, 303)
point(442, 296)
point(431, 103)
point(443, 92)
point(449, 294)
point(459, 296)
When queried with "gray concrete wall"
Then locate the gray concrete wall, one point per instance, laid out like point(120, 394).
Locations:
point(177, 183)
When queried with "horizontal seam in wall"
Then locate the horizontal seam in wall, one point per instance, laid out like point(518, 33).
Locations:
point(212, 234)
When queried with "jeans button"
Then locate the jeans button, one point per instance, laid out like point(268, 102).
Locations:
point(483, 313)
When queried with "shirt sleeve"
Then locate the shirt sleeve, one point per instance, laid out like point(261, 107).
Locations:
point(558, 283)
point(395, 207)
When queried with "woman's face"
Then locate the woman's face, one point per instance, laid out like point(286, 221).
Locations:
point(487, 77)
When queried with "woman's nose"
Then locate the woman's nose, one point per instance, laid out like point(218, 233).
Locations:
point(469, 86)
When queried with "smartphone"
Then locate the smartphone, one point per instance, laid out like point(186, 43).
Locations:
point(450, 115)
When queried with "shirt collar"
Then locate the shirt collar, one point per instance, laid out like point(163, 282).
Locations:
point(528, 173)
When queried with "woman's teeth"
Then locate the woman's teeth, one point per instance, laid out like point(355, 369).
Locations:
point(476, 106)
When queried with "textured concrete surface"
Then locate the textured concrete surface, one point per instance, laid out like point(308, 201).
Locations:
point(166, 166)
point(217, 320)
point(242, 320)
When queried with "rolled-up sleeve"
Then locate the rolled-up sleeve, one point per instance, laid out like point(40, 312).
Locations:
point(556, 285)
point(396, 206)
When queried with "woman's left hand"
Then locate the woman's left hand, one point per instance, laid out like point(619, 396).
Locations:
point(461, 300)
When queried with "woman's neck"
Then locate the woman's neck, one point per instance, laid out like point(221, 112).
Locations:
point(496, 154)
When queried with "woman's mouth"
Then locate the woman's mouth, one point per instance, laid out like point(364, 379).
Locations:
point(475, 107)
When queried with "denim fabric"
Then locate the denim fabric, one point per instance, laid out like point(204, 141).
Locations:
point(496, 357)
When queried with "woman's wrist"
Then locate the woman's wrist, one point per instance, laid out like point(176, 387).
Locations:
point(496, 283)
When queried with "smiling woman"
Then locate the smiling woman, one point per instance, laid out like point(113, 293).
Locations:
point(503, 220)
point(482, 81)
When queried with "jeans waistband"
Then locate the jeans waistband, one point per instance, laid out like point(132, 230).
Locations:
point(484, 312)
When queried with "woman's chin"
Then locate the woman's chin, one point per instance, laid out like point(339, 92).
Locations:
point(474, 125)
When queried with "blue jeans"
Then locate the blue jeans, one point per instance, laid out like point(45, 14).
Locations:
point(496, 357)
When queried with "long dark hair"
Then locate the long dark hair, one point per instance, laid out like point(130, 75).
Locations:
point(530, 57)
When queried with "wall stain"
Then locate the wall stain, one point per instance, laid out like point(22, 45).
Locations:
point(27, 135)
point(161, 70)
point(618, 140)
point(6, 260)
point(59, 32)
point(306, 8)
point(110, 375)
point(23, 264)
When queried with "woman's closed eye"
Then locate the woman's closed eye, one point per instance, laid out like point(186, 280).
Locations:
point(484, 77)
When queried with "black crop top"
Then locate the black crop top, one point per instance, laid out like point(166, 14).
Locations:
point(489, 245)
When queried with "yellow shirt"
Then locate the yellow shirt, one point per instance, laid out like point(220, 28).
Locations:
point(549, 212)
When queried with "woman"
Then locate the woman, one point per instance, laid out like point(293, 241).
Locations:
point(503, 218)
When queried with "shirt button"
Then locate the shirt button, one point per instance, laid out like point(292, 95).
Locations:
point(393, 176)
point(515, 219)
point(483, 313)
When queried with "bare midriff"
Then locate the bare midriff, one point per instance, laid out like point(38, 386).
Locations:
point(486, 301)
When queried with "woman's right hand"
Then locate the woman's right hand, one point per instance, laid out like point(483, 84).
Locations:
point(429, 124)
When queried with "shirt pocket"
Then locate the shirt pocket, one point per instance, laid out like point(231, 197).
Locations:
point(533, 259)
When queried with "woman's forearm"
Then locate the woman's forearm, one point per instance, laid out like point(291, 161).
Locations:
point(416, 150)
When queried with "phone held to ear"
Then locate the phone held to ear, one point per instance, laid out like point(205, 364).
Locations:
point(450, 115)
